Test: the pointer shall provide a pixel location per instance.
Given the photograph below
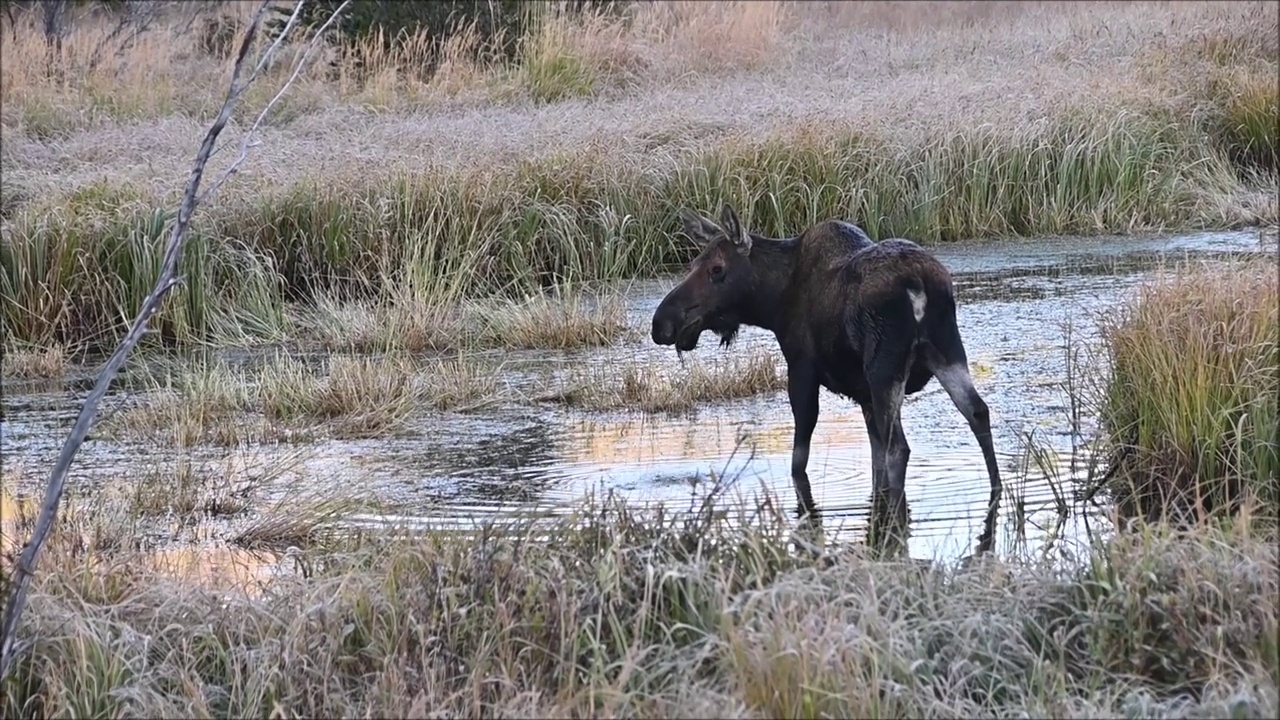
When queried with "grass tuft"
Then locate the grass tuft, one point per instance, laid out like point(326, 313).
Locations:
point(289, 400)
point(652, 613)
point(569, 322)
point(645, 388)
point(1192, 400)
point(34, 363)
point(367, 397)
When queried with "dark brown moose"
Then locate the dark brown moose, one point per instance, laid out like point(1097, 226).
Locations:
point(870, 321)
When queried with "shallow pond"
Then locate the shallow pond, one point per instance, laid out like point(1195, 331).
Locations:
point(1016, 299)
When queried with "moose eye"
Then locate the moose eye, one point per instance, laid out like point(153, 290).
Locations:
point(717, 273)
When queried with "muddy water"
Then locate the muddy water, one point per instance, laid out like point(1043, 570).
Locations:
point(1016, 299)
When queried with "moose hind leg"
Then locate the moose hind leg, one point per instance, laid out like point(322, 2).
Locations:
point(955, 379)
point(889, 501)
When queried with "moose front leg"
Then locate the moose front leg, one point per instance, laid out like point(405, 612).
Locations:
point(877, 448)
point(802, 388)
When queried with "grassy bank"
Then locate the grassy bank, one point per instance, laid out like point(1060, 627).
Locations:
point(1191, 401)
point(1184, 138)
point(630, 615)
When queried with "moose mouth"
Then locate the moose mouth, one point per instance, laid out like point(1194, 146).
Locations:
point(687, 339)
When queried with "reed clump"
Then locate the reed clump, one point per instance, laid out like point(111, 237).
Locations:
point(30, 363)
point(643, 387)
point(290, 399)
point(632, 613)
point(1191, 401)
point(568, 160)
point(562, 320)
point(475, 233)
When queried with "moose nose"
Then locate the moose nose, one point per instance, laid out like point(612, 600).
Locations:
point(664, 331)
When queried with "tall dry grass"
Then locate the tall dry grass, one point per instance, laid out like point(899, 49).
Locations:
point(381, 185)
point(1192, 401)
point(657, 614)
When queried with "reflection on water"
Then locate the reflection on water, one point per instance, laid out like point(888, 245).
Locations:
point(1015, 299)
point(212, 566)
point(217, 567)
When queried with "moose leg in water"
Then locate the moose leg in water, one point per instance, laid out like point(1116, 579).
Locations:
point(877, 448)
point(955, 379)
point(889, 502)
point(802, 388)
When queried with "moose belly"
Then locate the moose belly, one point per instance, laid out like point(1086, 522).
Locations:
point(854, 386)
point(850, 385)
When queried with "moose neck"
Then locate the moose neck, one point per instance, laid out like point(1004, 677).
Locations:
point(772, 261)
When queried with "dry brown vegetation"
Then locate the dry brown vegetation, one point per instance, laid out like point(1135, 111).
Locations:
point(649, 388)
point(34, 363)
point(643, 614)
point(559, 321)
point(700, 72)
point(931, 120)
point(288, 399)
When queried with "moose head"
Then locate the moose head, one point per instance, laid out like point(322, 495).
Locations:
point(714, 293)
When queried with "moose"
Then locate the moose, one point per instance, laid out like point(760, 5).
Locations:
point(873, 322)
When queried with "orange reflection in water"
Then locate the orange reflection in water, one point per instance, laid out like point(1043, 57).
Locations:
point(641, 439)
point(216, 567)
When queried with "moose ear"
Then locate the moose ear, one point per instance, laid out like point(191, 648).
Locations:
point(734, 229)
point(699, 229)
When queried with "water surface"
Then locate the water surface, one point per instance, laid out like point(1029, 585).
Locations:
point(1016, 299)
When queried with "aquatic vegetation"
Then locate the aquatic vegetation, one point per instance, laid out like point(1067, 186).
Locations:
point(28, 363)
point(565, 321)
point(646, 388)
point(287, 399)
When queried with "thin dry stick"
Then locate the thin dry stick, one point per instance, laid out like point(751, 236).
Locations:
point(26, 565)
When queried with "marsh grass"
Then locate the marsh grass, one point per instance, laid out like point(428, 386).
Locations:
point(644, 387)
point(75, 271)
point(199, 403)
point(567, 321)
point(591, 222)
point(190, 490)
point(185, 491)
point(365, 397)
point(34, 363)
point(1191, 403)
point(287, 399)
point(663, 614)
point(563, 319)
point(423, 234)
point(299, 521)
point(1249, 123)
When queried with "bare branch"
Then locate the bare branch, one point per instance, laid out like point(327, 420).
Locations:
point(136, 15)
point(275, 45)
point(26, 565)
point(271, 50)
point(250, 136)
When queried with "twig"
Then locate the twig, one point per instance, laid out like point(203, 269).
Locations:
point(167, 279)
